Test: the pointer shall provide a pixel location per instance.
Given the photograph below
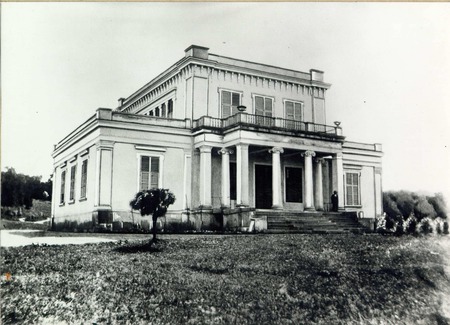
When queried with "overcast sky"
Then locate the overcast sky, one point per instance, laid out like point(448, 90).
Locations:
point(388, 63)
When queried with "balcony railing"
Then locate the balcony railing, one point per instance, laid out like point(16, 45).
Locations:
point(259, 121)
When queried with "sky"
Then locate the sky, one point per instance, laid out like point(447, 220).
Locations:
point(388, 63)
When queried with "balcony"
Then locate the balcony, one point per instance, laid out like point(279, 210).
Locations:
point(265, 123)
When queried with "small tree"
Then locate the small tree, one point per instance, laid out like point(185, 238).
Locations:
point(153, 202)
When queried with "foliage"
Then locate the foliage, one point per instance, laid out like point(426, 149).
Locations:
point(270, 279)
point(154, 202)
point(20, 189)
point(410, 213)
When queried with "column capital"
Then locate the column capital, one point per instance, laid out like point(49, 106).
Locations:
point(338, 155)
point(205, 149)
point(276, 150)
point(243, 146)
point(225, 151)
point(308, 153)
point(320, 161)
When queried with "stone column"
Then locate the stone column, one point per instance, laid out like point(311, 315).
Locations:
point(309, 204)
point(205, 177)
point(276, 177)
point(242, 175)
point(225, 200)
point(338, 179)
point(318, 189)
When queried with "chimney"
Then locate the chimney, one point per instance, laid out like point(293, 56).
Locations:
point(316, 75)
point(197, 52)
point(121, 100)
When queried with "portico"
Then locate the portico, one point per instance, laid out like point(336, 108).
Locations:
point(279, 178)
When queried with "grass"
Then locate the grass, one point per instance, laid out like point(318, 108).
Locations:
point(236, 279)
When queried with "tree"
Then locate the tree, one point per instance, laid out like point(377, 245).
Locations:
point(439, 205)
point(153, 202)
point(424, 209)
point(20, 189)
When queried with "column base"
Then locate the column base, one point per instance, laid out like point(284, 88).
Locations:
point(277, 207)
point(310, 209)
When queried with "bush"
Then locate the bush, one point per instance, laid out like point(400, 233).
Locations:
point(425, 226)
point(404, 212)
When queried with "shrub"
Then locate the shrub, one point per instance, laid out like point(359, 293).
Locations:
point(425, 226)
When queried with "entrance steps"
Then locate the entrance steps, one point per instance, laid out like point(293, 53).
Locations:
point(311, 222)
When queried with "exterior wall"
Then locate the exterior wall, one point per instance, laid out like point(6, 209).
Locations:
point(80, 210)
point(365, 159)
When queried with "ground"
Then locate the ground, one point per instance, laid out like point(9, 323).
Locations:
point(231, 279)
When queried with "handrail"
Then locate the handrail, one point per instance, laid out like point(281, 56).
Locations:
point(264, 121)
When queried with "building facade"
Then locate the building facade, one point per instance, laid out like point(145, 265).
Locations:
point(228, 137)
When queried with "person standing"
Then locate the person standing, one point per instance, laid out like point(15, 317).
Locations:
point(334, 202)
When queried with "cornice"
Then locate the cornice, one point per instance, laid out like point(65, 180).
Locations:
point(185, 67)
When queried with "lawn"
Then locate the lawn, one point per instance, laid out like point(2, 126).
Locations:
point(236, 279)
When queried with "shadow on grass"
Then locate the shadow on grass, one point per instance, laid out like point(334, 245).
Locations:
point(140, 247)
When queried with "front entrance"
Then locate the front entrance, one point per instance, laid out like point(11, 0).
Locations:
point(263, 186)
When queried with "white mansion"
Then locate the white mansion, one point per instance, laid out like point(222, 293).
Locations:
point(232, 139)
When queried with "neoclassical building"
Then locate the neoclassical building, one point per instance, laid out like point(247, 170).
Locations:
point(233, 140)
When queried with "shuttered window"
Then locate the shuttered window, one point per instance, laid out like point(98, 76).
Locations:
point(170, 108)
point(149, 173)
point(83, 179)
point(229, 102)
point(352, 189)
point(63, 186)
point(263, 106)
point(293, 110)
point(73, 172)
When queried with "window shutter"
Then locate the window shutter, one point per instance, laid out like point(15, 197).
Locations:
point(154, 177)
point(289, 110)
point(145, 171)
point(259, 105)
point(226, 104)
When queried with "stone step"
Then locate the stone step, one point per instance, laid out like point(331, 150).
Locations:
point(311, 222)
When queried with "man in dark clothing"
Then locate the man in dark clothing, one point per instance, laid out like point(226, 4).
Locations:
point(334, 202)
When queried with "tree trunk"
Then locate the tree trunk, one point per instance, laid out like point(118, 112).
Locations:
point(154, 229)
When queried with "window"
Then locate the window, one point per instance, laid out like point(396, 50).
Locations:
point(294, 185)
point(352, 188)
point(157, 111)
point(151, 113)
point(229, 103)
point(63, 186)
point(293, 110)
point(163, 110)
point(83, 179)
point(73, 171)
point(149, 173)
point(263, 106)
point(170, 108)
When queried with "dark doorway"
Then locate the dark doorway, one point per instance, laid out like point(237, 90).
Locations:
point(294, 185)
point(263, 186)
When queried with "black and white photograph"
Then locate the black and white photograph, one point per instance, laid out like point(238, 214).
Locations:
point(225, 163)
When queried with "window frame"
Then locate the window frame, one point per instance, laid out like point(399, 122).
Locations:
point(302, 109)
point(264, 97)
point(241, 96)
point(139, 165)
point(353, 186)
point(73, 182)
point(83, 179)
point(62, 187)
